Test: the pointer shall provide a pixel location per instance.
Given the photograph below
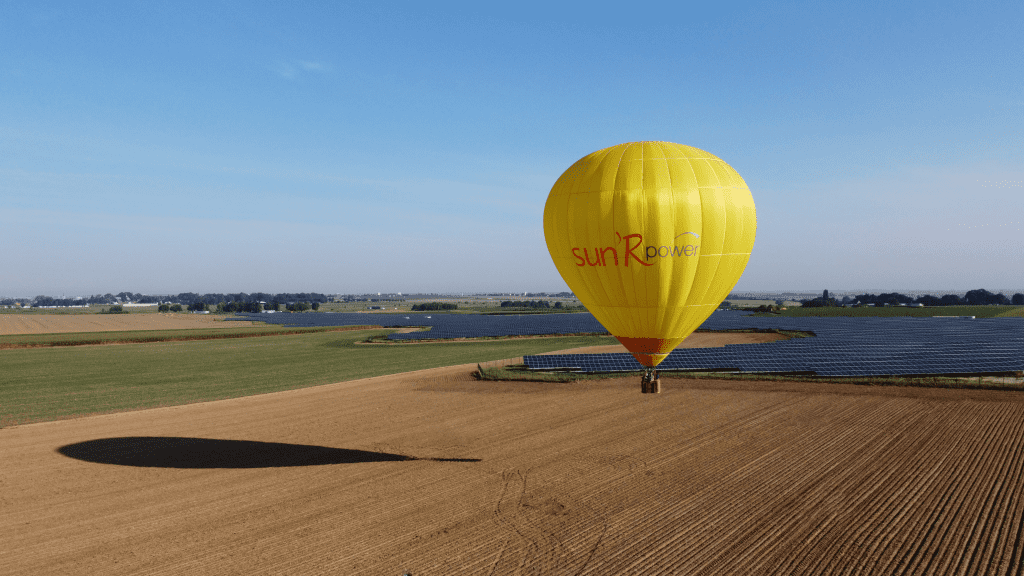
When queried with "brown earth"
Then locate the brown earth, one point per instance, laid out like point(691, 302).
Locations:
point(433, 472)
point(694, 340)
point(65, 323)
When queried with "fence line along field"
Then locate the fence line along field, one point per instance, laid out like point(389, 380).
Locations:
point(433, 472)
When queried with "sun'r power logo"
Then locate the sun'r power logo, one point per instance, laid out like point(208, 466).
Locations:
point(609, 256)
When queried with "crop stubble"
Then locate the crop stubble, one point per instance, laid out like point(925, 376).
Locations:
point(582, 478)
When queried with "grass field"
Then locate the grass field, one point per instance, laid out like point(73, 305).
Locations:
point(51, 383)
point(149, 336)
point(755, 303)
point(893, 311)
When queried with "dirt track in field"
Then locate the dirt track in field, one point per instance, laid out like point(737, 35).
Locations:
point(65, 323)
point(433, 472)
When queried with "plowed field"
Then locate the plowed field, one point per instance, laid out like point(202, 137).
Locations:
point(694, 340)
point(65, 323)
point(432, 472)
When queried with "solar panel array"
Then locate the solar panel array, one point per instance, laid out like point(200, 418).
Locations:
point(842, 347)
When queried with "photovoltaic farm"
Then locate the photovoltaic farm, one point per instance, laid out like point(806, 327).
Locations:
point(900, 346)
point(840, 346)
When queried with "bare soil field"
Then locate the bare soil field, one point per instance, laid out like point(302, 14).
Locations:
point(65, 323)
point(694, 340)
point(433, 472)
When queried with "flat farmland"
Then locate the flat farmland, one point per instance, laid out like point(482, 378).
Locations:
point(433, 472)
point(37, 323)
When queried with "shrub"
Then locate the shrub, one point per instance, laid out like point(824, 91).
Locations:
point(433, 306)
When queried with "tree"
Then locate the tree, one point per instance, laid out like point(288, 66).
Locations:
point(198, 306)
point(950, 300)
point(431, 306)
point(129, 297)
point(315, 306)
point(820, 302)
point(984, 297)
point(1018, 299)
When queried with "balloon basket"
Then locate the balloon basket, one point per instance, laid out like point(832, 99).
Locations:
point(650, 383)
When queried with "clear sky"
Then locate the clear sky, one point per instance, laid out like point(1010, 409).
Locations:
point(163, 147)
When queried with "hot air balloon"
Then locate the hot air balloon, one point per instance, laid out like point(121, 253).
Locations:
point(651, 237)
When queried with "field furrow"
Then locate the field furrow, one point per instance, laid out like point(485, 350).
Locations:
point(447, 475)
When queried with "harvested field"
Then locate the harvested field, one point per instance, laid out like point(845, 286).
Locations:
point(66, 323)
point(694, 340)
point(432, 472)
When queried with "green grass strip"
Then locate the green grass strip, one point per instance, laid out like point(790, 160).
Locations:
point(39, 384)
point(148, 336)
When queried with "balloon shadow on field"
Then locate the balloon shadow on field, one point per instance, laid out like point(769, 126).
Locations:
point(176, 452)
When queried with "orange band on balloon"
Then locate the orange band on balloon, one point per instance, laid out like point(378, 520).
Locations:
point(649, 360)
point(649, 351)
point(649, 345)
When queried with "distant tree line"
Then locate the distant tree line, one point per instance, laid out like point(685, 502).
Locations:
point(530, 304)
point(978, 297)
point(820, 302)
point(184, 298)
point(213, 299)
point(235, 306)
point(432, 306)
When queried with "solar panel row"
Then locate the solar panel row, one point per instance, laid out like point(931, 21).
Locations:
point(842, 347)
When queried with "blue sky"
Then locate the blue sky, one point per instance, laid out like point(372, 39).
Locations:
point(354, 147)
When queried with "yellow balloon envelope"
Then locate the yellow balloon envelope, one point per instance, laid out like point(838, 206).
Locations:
point(651, 237)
